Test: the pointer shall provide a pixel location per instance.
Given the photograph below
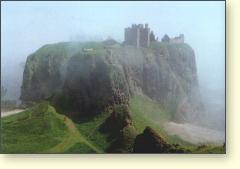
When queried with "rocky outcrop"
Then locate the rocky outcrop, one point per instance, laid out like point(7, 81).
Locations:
point(166, 73)
point(91, 85)
point(118, 119)
point(150, 142)
point(120, 129)
point(82, 82)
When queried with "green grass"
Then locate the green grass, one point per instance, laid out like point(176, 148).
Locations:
point(144, 112)
point(79, 148)
point(147, 112)
point(149, 109)
point(212, 149)
point(207, 149)
point(32, 131)
point(89, 128)
point(41, 129)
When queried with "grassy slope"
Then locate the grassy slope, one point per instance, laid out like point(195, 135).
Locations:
point(147, 112)
point(23, 132)
point(90, 129)
point(41, 130)
point(74, 140)
point(144, 112)
point(207, 149)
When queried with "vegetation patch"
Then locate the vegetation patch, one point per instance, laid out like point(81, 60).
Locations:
point(147, 112)
point(41, 129)
point(79, 148)
point(89, 128)
point(32, 131)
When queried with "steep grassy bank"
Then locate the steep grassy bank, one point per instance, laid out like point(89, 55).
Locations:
point(147, 112)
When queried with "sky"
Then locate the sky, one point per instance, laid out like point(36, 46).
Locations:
point(26, 26)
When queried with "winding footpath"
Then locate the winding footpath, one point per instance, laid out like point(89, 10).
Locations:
point(73, 137)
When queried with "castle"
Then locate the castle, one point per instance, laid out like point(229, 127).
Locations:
point(142, 36)
point(138, 35)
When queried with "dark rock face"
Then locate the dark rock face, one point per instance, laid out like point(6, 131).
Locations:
point(150, 142)
point(92, 84)
point(124, 141)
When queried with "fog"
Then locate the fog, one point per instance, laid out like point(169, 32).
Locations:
point(27, 26)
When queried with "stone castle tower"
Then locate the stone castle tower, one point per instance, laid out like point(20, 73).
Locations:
point(138, 35)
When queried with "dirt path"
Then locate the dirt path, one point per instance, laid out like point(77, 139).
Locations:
point(73, 137)
point(74, 131)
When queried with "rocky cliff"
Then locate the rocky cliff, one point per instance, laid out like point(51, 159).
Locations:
point(84, 79)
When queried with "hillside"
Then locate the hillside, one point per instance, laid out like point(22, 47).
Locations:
point(41, 130)
point(111, 98)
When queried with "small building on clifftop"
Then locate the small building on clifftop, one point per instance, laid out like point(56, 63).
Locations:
point(176, 39)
